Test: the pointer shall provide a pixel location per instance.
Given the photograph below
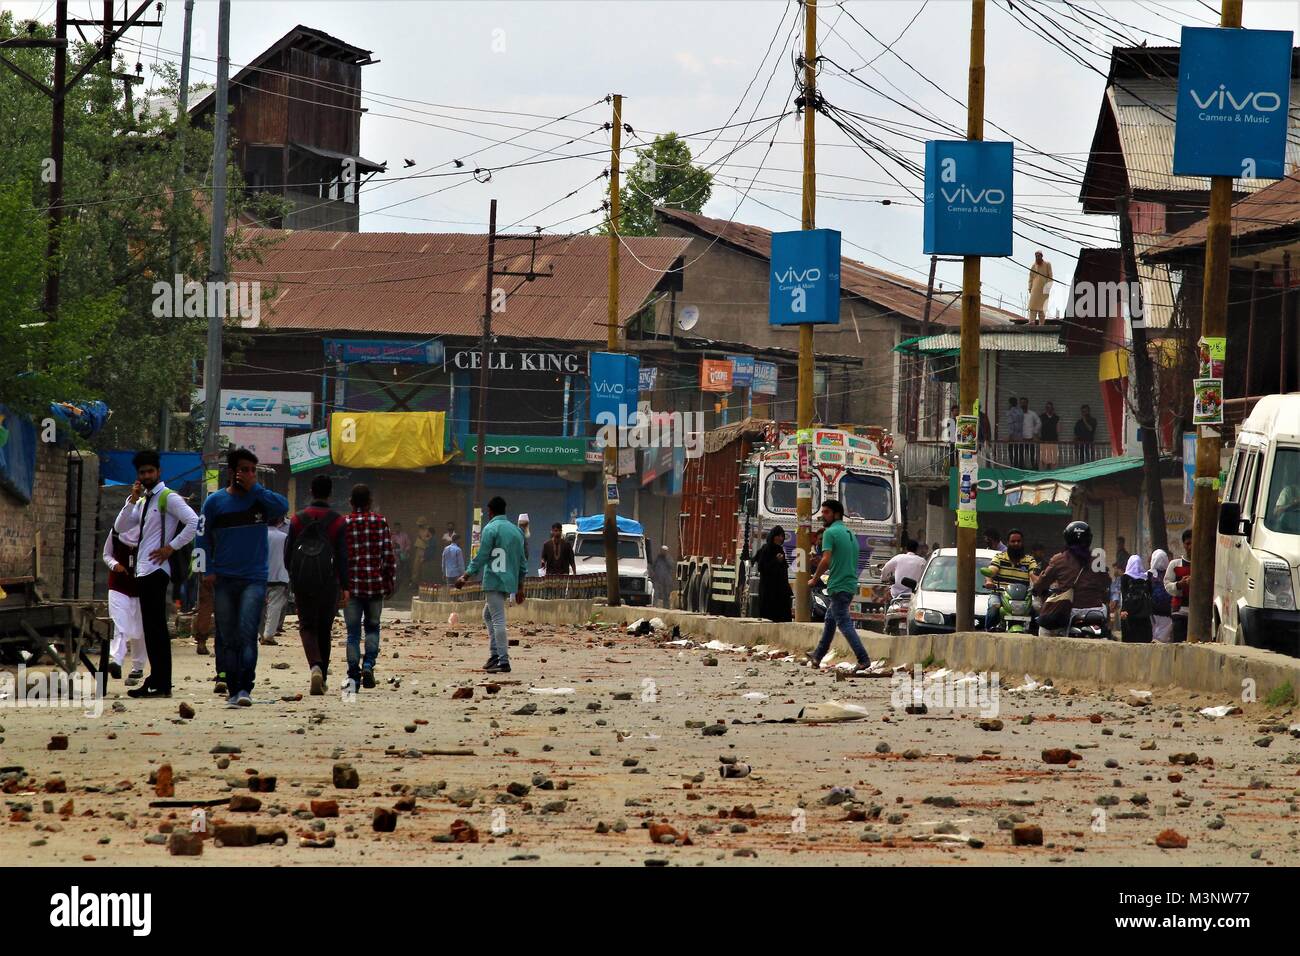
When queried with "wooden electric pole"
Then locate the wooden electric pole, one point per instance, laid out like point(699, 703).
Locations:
point(1146, 388)
point(180, 195)
point(968, 392)
point(485, 363)
point(804, 413)
point(611, 332)
point(1209, 440)
point(217, 241)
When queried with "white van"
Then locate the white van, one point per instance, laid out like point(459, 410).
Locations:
point(1257, 553)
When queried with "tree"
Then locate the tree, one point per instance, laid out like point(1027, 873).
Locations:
point(663, 175)
point(119, 167)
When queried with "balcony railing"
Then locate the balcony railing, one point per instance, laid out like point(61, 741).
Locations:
point(931, 460)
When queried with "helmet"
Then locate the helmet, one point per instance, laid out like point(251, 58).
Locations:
point(1078, 532)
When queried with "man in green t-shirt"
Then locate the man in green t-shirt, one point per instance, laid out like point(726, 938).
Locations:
point(840, 555)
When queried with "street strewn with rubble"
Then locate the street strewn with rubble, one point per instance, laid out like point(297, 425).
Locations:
point(606, 748)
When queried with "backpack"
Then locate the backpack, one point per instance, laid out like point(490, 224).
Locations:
point(1161, 600)
point(311, 566)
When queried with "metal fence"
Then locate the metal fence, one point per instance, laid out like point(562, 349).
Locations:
point(932, 459)
point(554, 587)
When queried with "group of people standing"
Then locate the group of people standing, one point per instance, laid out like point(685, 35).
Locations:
point(1150, 603)
point(1033, 438)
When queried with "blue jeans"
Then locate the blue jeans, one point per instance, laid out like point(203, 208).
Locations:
point(838, 616)
point(494, 616)
point(237, 605)
point(368, 608)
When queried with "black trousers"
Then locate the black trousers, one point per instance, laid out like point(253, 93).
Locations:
point(315, 618)
point(153, 591)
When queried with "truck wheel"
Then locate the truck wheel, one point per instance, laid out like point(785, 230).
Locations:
point(705, 599)
point(692, 590)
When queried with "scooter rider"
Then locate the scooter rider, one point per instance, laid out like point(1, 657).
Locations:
point(906, 565)
point(1072, 568)
point(1012, 566)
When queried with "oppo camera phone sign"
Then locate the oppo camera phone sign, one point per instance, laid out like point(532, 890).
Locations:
point(1234, 91)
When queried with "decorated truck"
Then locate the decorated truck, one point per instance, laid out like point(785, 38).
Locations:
point(746, 481)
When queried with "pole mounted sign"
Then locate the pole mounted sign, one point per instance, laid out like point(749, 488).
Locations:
point(805, 279)
point(1234, 92)
point(615, 382)
point(968, 198)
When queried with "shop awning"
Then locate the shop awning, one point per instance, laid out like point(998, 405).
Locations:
point(1039, 487)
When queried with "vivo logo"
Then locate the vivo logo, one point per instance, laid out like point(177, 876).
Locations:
point(609, 388)
point(1222, 98)
point(794, 275)
point(991, 197)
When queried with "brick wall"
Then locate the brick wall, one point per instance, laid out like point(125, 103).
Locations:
point(20, 523)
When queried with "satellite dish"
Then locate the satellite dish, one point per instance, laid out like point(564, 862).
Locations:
point(689, 318)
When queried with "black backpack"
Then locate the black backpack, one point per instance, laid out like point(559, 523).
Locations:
point(311, 566)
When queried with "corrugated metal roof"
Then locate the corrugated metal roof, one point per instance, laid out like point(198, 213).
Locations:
point(884, 289)
point(1157, 285)
point(1276, 207)
point(996, 341)
point(433, 283)
point(1145, 109)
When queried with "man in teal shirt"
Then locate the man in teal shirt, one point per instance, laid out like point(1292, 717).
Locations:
point(503, 564)
point(840, 555)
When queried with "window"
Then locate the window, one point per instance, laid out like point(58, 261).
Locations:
point(1249, 483)
point(594, 547)
point(867, 497)
point(1283, 512)
point(941, 574)
point(1232, 485)
point(781, 491)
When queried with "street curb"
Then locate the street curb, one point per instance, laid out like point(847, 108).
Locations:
point(1209, 668)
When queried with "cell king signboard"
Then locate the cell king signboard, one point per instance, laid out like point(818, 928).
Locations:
point(1234, 91)
point(615, 382)
point(968, 198)
point(804, 288)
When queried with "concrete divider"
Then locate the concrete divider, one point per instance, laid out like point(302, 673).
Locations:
point(1209, 668)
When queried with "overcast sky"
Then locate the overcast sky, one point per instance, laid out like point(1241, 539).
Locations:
point(455, 76)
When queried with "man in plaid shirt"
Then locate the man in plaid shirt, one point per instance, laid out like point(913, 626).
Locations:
point(372, 576)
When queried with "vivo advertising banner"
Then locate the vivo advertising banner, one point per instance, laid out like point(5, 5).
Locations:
point(805, 280)
point(265, 409)
point(968, 198)
point(615, 382)
point(1234, 90)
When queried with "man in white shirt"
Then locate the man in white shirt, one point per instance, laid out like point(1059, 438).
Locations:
point(1031, 427)
point(906, 564)
point(165, 524)
point(123, 605)
point(277, 582)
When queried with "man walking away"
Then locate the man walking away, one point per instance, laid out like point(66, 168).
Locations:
point(124, 606)
point(234, 542)
point(840, 556)
point(557, 554)
point(453, 559)
point(500, 560)
point(277, 582)
point(318, 572)
point(372, 576)
point(165, 524)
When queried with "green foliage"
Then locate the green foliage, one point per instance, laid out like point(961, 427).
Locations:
point(663, 175)
point(120, 169)
point(1280, 696)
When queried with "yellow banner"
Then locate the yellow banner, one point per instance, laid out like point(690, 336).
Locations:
point(387, 439)
point(1112, 364)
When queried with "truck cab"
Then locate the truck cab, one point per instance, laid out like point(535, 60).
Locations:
point(1257, 549)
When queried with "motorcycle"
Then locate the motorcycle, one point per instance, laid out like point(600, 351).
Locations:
point(1015, 608)
point(1094, 623)
point(897, 611)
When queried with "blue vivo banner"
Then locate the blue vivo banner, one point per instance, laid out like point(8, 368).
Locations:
point(805, 280)
point(968, 198)
point(615, 381)
point(1234, 91)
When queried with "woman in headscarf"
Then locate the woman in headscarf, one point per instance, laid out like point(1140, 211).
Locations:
point(1135, 603)
point(774, 594)
point(1162, 605)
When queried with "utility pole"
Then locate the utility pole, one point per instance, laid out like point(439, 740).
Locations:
point(611, 335)
point(1145, 382)
point(178, 188)
point(217, 240)
point(485, 347)
point(113, 30)
point(804, 408)
point(1209, 440)
point(968, 392)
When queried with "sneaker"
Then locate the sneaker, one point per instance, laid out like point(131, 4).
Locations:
point(498, 668)
point(812, 658)
point(244, 699)
point(368, 677)
point(317, 682)
point(115, 670)
point(202, 649)
point(232, 701)
point(148, 690)
point(491, 662)
point(270, 642)
point(134, 678)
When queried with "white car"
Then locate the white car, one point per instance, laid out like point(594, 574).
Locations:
point(934, 600)
point(634, 586)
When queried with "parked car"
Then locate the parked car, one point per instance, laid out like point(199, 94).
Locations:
point(588, 539)
point(934, 604)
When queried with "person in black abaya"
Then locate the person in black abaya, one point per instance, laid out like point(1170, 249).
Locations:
point(774, 594)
